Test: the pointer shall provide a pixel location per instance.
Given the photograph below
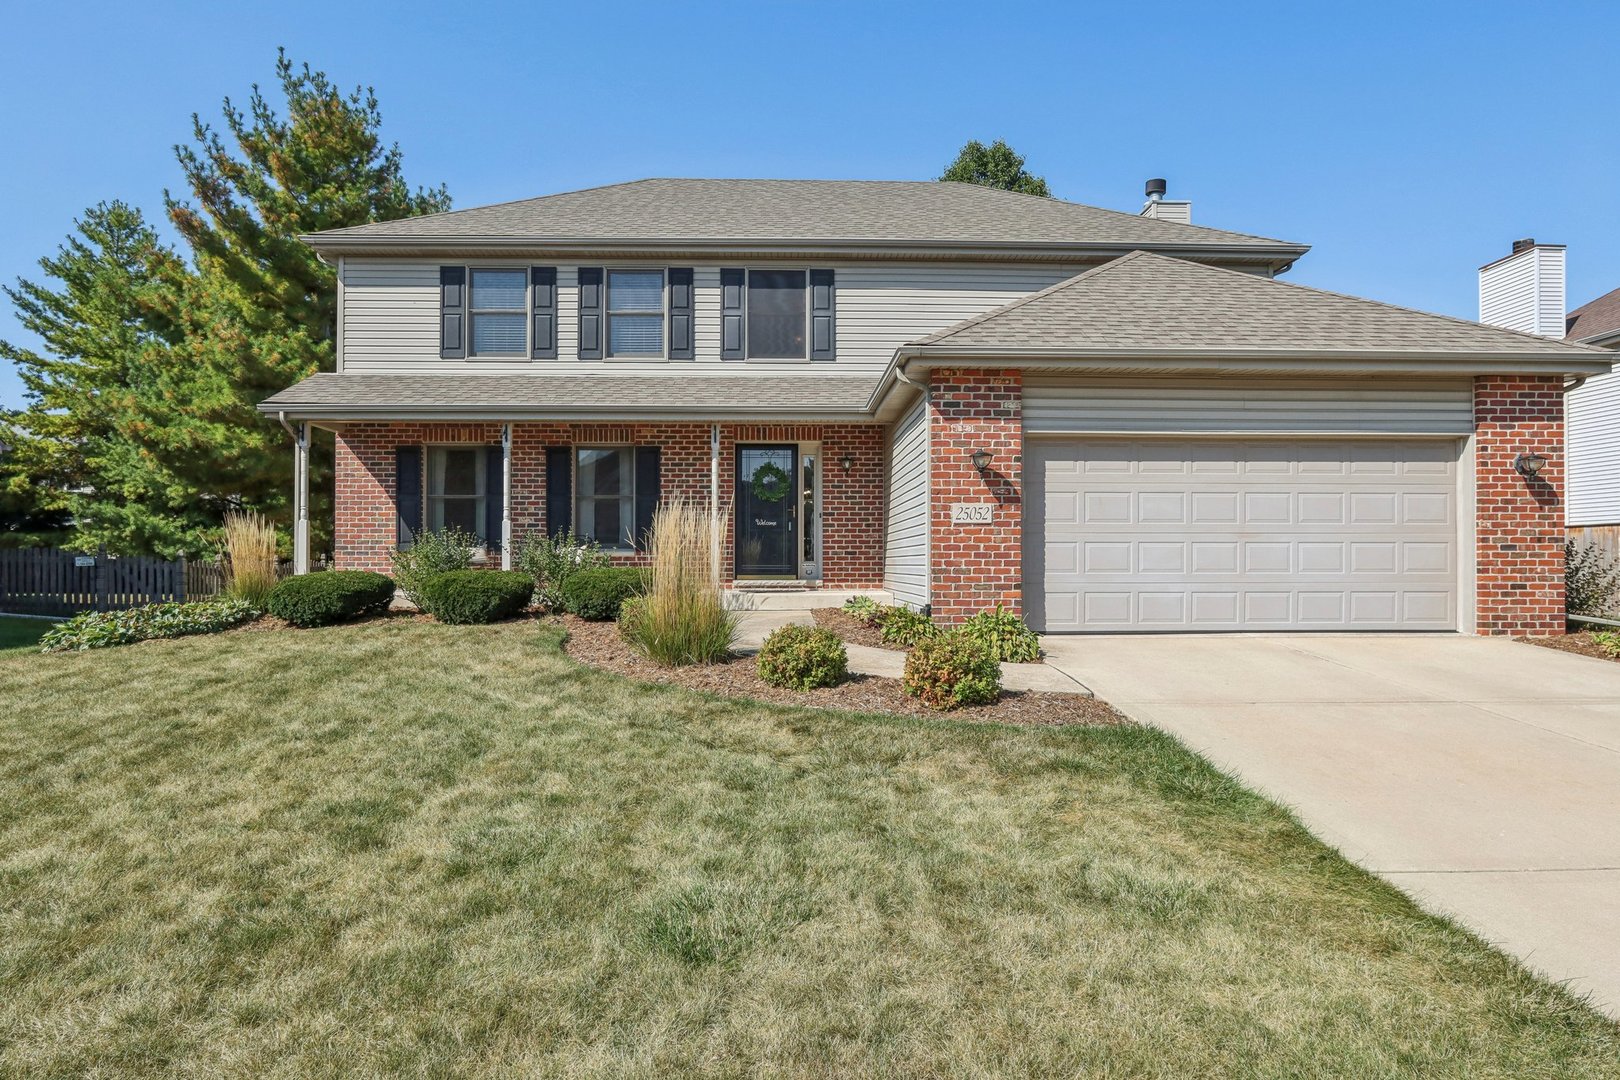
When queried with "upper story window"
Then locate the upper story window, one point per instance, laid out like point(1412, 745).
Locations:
point(635, 313)
point(776, 315)
point(499, 311)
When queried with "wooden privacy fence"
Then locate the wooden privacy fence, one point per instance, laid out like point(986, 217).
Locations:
point(46, 581)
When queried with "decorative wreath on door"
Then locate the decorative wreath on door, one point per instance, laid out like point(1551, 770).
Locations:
point(770, 482)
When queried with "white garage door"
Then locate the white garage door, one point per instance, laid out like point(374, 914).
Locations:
point(1241, 534)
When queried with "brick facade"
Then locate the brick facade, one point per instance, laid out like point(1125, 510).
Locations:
point(974, 567)
point(852, 503)
point(1519, 520)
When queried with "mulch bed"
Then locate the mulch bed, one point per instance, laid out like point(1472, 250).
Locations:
point(600, 646)
point(854, 632)
point(1575, 643)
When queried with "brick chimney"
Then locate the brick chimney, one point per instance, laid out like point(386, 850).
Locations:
point(1157, 206)
point(1524, 289)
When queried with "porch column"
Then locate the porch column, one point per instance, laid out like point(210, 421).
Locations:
point(506, 496)
point(301, 500)
point(714, 500)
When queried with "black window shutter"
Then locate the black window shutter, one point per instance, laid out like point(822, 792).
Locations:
point(543, 305)
point(647, 491)
point(733, 315)
point(680, 314)
point(590, 313)
point(494, 497)
point(823, 324)
point(453, 312)
point(407, 494)
point(559, 490)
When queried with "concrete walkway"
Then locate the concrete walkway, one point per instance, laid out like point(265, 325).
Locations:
point(889, 663)
point(1480, 775)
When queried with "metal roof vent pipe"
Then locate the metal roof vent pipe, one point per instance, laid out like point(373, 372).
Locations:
point(1157, 206)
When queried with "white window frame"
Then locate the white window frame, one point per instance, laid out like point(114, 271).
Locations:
point(622, 544)
point(480, 502)
point(748, 340)
point(527, 312)
point(608, 313)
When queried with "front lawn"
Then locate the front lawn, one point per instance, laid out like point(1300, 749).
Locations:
point(19, 633)
point(407, 848)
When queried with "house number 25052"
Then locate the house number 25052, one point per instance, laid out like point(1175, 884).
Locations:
point(972, 513)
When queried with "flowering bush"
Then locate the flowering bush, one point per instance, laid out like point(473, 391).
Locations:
point(433, 553)
point(552, 560)
point(803, 658)
point(99, 629)
point(951, 670)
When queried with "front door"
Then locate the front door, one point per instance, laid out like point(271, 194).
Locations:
point(767, 505)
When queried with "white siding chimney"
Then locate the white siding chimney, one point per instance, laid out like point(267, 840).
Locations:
point(1524, 290)
point(1157, 206)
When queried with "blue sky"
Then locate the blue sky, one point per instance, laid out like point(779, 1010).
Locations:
point(1408, 143)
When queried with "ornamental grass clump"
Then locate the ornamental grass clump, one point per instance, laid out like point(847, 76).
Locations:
point(250, 550)
point(951, 671)
point(100, 629)
point(432, 553)
point(803, 658)
point(1004, 634)
point(684, 618)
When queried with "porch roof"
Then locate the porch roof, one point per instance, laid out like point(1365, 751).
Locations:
point(691, 395)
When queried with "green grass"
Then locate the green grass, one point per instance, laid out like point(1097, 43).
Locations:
point(429, 850)
point(16, 633)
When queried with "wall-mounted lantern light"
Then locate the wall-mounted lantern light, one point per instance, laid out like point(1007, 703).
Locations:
point(981, 459)
point(1529, 464)
point(847, 461)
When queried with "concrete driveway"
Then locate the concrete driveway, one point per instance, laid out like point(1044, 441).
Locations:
point(1480, 775)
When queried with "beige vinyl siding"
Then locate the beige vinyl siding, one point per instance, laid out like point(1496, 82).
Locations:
point(1592, 444)
point(1249, 406)
point(391, 315)
point(905, 547)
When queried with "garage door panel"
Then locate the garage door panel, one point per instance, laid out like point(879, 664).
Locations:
point(1273, 535)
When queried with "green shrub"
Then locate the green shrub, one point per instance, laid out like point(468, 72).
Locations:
point(433, 553)
point(685, 619)
point(461, 597)
point(598, 594)
point(552, 560)
point(803, 658)
point(950, 671)
point(99, 629)
point(1591, 579)
point(331, 596)
point(1608, 641)
point(902, 626)
point(863, 608)
point(1004, 634)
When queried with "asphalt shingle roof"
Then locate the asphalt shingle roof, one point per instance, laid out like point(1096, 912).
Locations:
point(1600, 316)
point(562, 395)
point(1143, 301)
point(897, 211)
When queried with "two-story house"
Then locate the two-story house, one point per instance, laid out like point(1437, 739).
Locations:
point(968, 397)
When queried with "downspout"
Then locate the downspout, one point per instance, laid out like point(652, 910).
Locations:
point(1580, 381)
point(714, 501)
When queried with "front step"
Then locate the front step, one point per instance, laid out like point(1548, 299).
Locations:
point(795, 596)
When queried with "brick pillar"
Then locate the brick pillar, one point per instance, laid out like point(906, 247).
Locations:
point(1519, 542)
point(976, 566)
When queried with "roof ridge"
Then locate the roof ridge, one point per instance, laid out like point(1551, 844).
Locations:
point(1382, 304)
point(504, 202)
point(965, 324)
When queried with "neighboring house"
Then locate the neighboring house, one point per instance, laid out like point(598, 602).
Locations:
point(1524, 290)
point(969, 397)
